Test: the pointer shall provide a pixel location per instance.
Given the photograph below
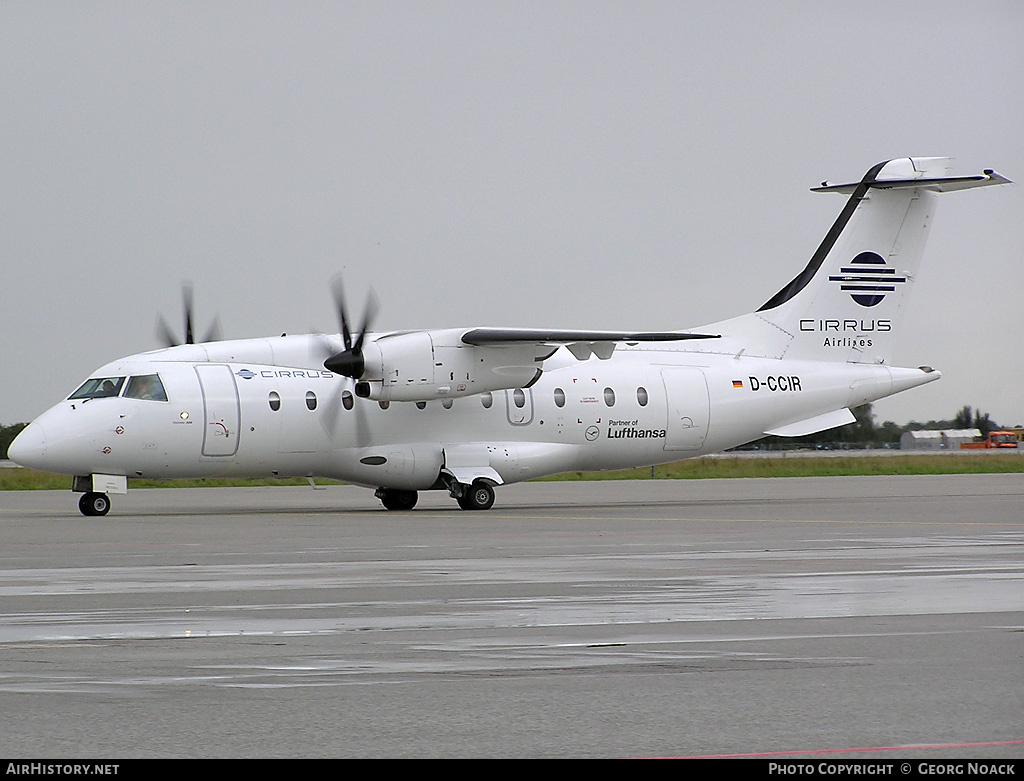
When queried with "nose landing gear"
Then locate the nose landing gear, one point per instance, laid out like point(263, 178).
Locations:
point(95, 489)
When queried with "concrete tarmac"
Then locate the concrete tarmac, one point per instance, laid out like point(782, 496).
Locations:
point(793, 618)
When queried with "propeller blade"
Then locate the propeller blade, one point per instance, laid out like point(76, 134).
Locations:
point(335, 411)
point(321, 347)
point(372, 307)
point(164, 333)
point(349, 362)
point(329, 417)
point(213, 333)
point(339, 304)
point(166, 336)
point(186, 297)
point(364, 436)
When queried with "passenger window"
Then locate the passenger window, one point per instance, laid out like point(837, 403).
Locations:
point(310, 400)
point(559, 397)
point(519, 398)
point(275, 400)
point(98, 388)
point(609, 397)
point(446, 403)
point(384, 404)
point(421, 405)
point(487, 399)
point(641, 396)
point(147, 387)
point(347, 400)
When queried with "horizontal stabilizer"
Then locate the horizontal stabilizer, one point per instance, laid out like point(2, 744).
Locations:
point(938, 184)
point(840, 417)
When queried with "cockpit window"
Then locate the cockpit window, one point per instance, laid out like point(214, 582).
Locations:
point(145, 386)
point(98, 388)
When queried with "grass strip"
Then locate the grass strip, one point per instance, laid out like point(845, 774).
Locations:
point(16, 479)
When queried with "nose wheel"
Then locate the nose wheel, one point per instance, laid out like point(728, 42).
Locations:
point(94, 503)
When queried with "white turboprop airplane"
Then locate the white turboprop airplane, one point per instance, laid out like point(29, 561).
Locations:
point(464, 410)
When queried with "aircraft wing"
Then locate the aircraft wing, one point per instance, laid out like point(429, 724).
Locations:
point(580, 343)
point(481, 337)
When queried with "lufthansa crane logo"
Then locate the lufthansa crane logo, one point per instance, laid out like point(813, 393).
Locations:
point(867, 279)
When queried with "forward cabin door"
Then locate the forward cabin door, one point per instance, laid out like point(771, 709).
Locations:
point(221, 414)
point(688, 407)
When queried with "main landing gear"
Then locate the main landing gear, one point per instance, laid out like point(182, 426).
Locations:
point(479, 496)
point(94, 503)
point(397, 499)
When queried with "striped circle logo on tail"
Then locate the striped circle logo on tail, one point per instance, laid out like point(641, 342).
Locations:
point(867, 279)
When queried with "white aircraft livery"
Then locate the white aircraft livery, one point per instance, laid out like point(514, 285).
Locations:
point(464, 410)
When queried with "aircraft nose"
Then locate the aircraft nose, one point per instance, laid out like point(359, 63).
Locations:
point(29, 447)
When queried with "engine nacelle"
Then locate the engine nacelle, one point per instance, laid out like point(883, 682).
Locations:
point(427, 365)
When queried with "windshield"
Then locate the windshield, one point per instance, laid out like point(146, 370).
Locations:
point(146, 386)
point(98, 388)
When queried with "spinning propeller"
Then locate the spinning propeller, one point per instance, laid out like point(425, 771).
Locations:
point(167, 336)
point(349, 362)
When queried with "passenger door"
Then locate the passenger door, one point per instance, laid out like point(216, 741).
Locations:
point(688, 408)
point(221, 413)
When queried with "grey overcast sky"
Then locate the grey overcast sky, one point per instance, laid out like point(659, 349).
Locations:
point(640, 165)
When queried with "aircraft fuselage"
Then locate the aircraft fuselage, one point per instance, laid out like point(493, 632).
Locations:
point(642, 406)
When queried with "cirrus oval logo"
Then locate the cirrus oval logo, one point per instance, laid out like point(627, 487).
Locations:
point(868, 278)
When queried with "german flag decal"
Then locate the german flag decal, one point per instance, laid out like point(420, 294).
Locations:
point(737, 383)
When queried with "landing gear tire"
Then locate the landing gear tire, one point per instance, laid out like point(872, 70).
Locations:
point(479, 496)
point(94, 503)
point(395, 499)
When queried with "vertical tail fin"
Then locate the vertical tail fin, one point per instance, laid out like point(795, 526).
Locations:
point(847, 303)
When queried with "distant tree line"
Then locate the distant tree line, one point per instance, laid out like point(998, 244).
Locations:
point(979, 420)
point(865, 433)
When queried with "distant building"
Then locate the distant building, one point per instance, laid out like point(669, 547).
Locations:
point(950, 439)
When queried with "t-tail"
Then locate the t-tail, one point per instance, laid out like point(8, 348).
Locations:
point(848, 302)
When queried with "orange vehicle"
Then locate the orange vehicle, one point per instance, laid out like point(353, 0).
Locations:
point(994, 439)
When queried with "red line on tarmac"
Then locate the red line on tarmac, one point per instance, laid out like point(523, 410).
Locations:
point(922, 746)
